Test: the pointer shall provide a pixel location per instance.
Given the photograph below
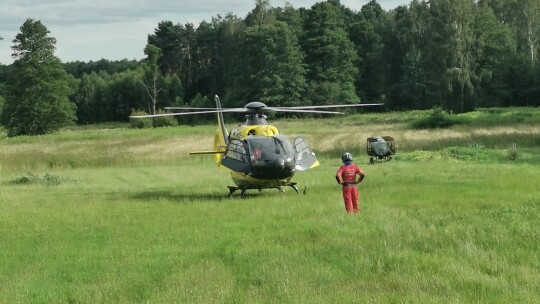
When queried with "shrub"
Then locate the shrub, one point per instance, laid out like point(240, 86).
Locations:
point(30, 178)
point(438, 119)
point(472, 152)
point(164, 121)
point(140, 123)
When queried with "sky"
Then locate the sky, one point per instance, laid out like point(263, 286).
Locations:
point(90, 30)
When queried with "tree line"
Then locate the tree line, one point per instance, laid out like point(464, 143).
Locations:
point(453, 54)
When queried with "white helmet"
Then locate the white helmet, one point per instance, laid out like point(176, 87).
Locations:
point(346, 157)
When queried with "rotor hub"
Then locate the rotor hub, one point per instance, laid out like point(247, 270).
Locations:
point(256, 107)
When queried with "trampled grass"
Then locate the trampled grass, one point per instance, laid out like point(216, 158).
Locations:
point(150, 224)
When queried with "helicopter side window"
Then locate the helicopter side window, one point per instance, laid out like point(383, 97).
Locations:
point(236, 151)
point(302, 148)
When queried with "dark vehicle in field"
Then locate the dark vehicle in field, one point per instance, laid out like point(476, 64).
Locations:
point(380, 148)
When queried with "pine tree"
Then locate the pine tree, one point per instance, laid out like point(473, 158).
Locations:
point(37, 92)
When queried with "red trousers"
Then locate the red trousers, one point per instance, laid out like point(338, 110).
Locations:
point(350, 196)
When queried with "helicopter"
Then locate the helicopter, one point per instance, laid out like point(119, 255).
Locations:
point(255, 153)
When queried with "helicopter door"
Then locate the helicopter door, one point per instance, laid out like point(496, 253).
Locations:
point(305, 157)
point(235, 157)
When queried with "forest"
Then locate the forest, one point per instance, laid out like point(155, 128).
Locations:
point(457, 55)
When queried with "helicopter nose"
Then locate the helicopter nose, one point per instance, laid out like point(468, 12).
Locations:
point(279, 163)
point(289, 164)
point(277, 168)
point(284, 164)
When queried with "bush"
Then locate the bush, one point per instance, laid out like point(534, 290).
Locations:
point(164, 121)
point(472, 152)
point(30, 178)
point(140, 123)
point(438, 119)
point(149, 122)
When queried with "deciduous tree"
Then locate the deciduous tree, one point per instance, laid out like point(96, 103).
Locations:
point(452, 23)
point(273, 72)
point(152, 75)
point(406, 47)
point(495, 49)
point(528, 22)
point(330, 55)
point(367, 33)
point(37, 97)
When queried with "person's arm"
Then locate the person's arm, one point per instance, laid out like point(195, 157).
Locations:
point(361, 174)
point(339, 178)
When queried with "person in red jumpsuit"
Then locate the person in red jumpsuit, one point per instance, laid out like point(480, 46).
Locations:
point(346, 176)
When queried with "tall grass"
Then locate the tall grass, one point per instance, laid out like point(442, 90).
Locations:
point(134, 219)
point(102, 147)
point(429, 231)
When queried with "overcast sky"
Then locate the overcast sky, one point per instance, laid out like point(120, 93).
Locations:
point(117, 29)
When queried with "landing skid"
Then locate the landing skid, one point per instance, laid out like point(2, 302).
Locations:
point(233, 189)
point(293, 185)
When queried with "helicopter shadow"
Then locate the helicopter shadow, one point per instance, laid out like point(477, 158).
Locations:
point(187, 197)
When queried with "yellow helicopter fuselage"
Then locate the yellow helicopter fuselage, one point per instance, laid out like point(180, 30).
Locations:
point(275, 163)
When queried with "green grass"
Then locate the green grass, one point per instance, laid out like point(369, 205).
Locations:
point(131, 218)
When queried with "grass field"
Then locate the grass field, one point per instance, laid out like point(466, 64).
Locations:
point(114, 215)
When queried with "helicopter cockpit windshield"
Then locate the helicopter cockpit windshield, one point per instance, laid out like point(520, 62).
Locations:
point(266, 157)
point(267, 148)
point(271, 156)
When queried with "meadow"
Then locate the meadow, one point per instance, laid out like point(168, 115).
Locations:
point(108, 214)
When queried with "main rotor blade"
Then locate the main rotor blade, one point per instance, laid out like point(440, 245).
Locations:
point(334, 106)
point(240, 110)
point(187, 108)
point(300, 110)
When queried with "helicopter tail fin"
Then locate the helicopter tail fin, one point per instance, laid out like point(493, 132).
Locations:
point(221, 139)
